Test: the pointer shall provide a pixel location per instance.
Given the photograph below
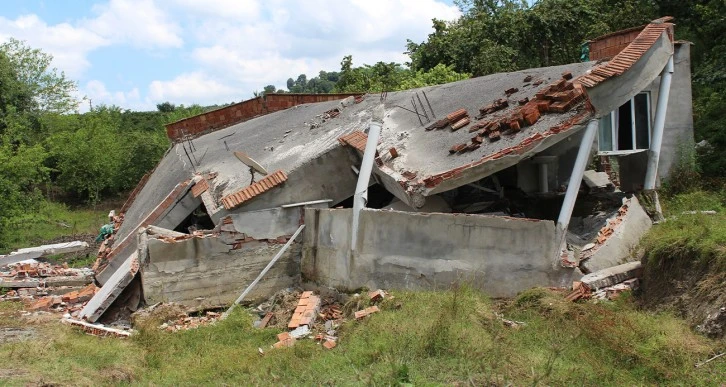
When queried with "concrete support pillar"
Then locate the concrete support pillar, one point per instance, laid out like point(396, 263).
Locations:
point(583, 155)
point(542, 164)
point(543, 187)
point(360, 197)
point(660, 115)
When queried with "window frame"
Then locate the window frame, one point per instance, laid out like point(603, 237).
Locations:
point(614, 140)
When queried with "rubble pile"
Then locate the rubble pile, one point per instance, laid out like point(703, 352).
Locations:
point(47, 287)
point(184, 323)
point(607, 284)
point(306, 314)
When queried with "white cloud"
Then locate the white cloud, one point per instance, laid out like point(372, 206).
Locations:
point(189, 88)
point(69, 45)
point(137, 22)
point(97, 92)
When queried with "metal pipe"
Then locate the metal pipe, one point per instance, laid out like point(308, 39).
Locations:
point(264, 271)
point(660, 116)
point(360, 198)
point(583, 156)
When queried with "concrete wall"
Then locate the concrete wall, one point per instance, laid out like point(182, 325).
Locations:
point(404, 250)
point(243, 111)
point(202, 273)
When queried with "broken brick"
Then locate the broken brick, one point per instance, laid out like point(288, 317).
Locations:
point(537, 82)
point(44, 303)
point(456, 115)
point(567, 75)
point(329, 344)
point(410, 175)
point(514, 125)
point(477, 139)
point(531, 117)
point(283, 336)
point(511, 91)
point(376, 295)
point(393, 152)
point(528, 78)
point(460, 124)
point(440, 124)
point(543, 106)
point(524, 100)
point(457, 148)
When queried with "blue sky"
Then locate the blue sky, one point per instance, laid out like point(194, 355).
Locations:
point(137, 53)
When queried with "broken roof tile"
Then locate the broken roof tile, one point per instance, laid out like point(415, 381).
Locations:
point(200, 187)
point(268, 182)
point(356, 139)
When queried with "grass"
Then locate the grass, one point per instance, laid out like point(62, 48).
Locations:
point(52, 221)
point(447, 337)
point(698, 238)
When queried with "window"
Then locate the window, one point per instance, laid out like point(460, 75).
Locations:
point(626, 129)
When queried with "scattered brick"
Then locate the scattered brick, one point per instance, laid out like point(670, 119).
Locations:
point(514, 125)
point(531, 117)
point(457, 148)
point(460, 124)
point(329, 344)
point(376, 295)
point(511, 91)
point(524, 100)
point(528, 78)
point(393, 152)
point(440, 124)
point(537, 82)
point(567, 75)
point(456, 115)
point(477, 139)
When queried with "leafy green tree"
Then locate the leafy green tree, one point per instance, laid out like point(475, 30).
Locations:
point(50, 89)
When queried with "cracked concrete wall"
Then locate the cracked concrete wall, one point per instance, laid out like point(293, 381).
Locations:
point(202, 273)
point(622, 245)
point(400, 250)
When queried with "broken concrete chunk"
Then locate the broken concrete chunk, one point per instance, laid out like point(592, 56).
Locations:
point(613, 275)
point(597, 180)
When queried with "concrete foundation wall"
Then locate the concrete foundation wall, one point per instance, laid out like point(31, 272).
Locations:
point(403, 250)
point(202, 273)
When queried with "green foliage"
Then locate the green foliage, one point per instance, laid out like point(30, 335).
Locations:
point(49, 88)
point(685, 174)
point(497, 36)
point(687, 237)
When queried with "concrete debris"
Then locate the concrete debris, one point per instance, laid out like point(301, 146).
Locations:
point(96, 329)
point(510, 323)
point(184, 323)
point(598, 181)
point(95, 308)
point(715, 324)
point(612, 276)
point(613, 292)
point(42, 251)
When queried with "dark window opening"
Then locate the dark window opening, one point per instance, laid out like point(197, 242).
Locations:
point(378, 197)
point(199, 219)
point(628, 127)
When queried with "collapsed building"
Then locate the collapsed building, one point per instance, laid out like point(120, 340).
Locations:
point(477, 180)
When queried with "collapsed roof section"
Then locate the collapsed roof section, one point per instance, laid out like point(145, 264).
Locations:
point(476, 127)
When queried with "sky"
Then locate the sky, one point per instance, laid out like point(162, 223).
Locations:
point(137, 53)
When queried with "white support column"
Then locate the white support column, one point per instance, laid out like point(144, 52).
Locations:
point(660, 115)
point(583, 155)
point(360, 197)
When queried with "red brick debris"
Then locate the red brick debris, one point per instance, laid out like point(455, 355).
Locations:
point(356, 139)
point(267, 183)
point(306, 311)
point(630, 54)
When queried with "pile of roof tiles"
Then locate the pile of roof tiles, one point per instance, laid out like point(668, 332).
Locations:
point(559, 97)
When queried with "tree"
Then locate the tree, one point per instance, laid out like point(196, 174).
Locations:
point(269, 89)
point(49, 88)
point(166, 107)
